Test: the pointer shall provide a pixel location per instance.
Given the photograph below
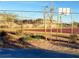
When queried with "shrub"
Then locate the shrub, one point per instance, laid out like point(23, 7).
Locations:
point(30, 37)
point(37, 37)
point(27, 38)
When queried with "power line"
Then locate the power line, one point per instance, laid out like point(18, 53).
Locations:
point(37, 11)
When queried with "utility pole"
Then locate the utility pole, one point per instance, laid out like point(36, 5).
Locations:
point(63, 11)
point(61, 24)
point(22, 23)
point(57, 24)
point(51, 15)
point(44, 16)
point(72, 25)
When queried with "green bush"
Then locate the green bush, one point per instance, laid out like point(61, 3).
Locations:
point(31, 37)
point(27, 38)
point(73, 38)
point(37, 36)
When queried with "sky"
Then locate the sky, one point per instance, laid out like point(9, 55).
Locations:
point(39, 6)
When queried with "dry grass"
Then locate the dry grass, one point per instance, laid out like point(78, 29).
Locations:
point(43, 44)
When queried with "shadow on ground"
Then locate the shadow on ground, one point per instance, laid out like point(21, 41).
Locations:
point(32, 53)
